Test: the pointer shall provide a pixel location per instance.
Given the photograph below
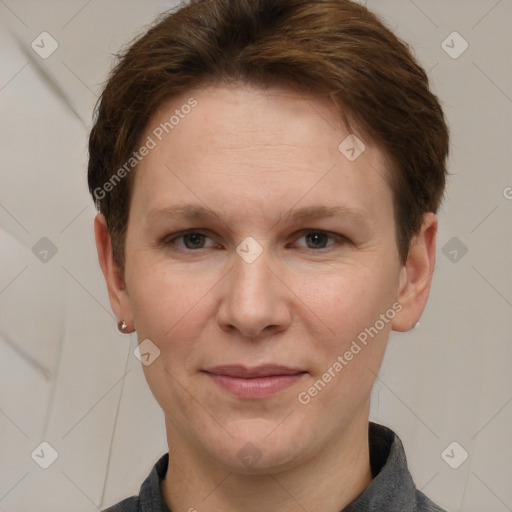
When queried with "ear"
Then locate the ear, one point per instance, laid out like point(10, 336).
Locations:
point(416, 275)
point(119, 300)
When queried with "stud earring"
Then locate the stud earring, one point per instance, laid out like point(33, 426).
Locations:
point(122, 326)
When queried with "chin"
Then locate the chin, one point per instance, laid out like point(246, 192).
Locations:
point(253, 459)
point(260, 447)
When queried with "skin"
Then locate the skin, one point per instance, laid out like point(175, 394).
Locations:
point(252, 155)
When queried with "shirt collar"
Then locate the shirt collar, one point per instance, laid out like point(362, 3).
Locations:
point(391, 489)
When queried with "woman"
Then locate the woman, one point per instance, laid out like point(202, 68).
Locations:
point(267, 174)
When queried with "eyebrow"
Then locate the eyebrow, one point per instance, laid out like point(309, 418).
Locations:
point(198, 212)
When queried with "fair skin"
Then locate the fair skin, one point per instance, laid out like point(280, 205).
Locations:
point(251, 156)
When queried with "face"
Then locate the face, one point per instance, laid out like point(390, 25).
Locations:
point(272, 313)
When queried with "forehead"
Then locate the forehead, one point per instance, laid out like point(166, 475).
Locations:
point(264, 147)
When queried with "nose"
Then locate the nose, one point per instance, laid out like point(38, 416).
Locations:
point(255, 301)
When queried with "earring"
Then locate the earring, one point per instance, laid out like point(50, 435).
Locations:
point(122, 326)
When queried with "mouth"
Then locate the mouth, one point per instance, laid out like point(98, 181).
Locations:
point(254, 383)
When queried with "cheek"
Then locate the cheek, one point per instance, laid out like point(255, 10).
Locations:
point(164, 299)
point(352, 305)
point(359, 307)
point(349, 300)
point(169, 308)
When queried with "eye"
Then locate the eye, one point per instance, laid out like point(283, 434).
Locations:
point(192, 240)
point(317, 239)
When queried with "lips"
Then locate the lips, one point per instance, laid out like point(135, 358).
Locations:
point(254, 383)
point(269, 370)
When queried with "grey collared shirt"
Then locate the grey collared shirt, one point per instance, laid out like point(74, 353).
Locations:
point(391, 490)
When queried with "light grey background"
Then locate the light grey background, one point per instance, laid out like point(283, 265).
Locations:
point(69, 378)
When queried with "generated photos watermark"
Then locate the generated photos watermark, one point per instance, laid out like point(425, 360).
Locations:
point(150, 143)
point(304, 397)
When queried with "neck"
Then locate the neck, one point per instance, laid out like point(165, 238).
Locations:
point(329, 481)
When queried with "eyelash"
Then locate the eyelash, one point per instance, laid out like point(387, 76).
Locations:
point(169, 240)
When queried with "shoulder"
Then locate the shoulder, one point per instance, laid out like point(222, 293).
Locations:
point(150, 497)
point(127, 505)
point(424, 504)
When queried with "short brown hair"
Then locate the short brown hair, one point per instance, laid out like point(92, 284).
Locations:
point(336, 48)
